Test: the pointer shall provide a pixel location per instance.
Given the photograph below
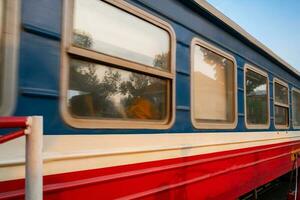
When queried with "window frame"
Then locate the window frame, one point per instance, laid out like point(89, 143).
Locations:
point(10, 50)
point(293, 111)
point(284, 84)
point(68, 51)
point(257, 70)
point(212, 125)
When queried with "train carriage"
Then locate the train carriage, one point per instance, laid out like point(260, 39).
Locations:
point(144, 100)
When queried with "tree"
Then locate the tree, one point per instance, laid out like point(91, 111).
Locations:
point(162, 61)
point(145, 97)
point(100, 87)
point(82, 39)
point(94, 89)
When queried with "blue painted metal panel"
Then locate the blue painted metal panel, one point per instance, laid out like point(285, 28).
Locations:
point(47, 107)
point(182, 90)
point(183, 59)
point(39, 62)
point(45, 14)
point(183, 122)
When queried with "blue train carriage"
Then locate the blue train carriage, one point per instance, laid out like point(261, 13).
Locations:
point(159, 99)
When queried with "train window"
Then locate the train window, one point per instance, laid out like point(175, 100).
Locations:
point(281, 104)
point(256, 98)
point(296, 107)
point(117, 79)
point(213, 87)
point(9, 40)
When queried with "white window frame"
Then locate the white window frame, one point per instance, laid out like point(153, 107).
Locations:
point(282, 83)
point(213, 125)
point(248, 66)
point(10, 51)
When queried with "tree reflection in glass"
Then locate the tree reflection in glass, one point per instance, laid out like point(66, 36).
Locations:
point(281, 94)
point(256, 98)
point(117, 33)
point(281, 110)
point(281, 115)
point(99, 91)
point(213, 87)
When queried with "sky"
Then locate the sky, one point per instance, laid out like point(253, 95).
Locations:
point(275, 23)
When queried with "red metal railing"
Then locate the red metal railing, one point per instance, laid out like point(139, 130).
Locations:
point(32, 128)
point(13, 122)
point(11, 136)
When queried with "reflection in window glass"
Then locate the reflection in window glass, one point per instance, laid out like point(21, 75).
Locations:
point(213, 87)
point(256, 98)
point(281, 115)
point(281, 102)
point(99, 91)
point(281, 94)
point(296, 108)
point(104, 28)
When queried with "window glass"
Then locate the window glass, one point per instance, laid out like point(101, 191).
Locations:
point(296, 108)
point(101, 27)
point(281, 115)
point(213, 87)
point(281, 103)
point(281, 94)
point(100, 91)
point(256, 98)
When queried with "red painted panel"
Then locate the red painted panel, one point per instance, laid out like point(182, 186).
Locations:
point(222, 175)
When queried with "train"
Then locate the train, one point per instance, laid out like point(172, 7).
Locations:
point(144, 100)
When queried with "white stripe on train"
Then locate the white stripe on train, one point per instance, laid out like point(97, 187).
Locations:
point(69, 153)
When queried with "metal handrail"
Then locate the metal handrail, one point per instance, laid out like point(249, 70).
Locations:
point(32, 128)
point(14, 122)
point(12, 135)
